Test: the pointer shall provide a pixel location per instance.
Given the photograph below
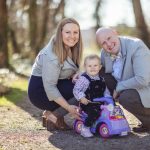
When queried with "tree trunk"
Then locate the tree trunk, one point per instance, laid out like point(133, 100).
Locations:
point(141, 25)
point(12, 27)
point(96, 13)
point(13, 41)
point(32, 23)
point(46, 14)
point(43, 27)
point(59, 10)
point(3, 35)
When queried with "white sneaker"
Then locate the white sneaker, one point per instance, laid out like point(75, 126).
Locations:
point(85, 131)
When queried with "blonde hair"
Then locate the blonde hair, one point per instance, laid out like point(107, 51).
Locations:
point(91, 57)
point(59, 48)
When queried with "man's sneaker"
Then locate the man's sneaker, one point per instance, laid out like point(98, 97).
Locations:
point(85, 131)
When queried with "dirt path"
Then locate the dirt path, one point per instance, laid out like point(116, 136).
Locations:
point(20, 129)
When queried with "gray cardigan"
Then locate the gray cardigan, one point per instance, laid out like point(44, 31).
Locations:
point(48, 67)
point(136, 67)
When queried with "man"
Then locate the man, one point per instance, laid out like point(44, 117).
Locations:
point(127, 60)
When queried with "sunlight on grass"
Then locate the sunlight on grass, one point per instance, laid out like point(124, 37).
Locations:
point(18, 91)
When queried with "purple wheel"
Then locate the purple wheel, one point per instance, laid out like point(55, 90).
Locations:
point(103, 130)
point(77, 126)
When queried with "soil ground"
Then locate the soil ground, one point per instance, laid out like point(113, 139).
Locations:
point(21, 129)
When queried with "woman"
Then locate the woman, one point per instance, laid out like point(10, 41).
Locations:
point(50, 86)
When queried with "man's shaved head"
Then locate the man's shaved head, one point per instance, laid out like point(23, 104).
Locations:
point(103, 30)
point(108, 39)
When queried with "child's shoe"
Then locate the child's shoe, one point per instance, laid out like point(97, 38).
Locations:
point(85, 131)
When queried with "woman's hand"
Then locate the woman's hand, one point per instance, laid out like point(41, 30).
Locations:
point(84, 101)
point(74, 110)
point(75, 77)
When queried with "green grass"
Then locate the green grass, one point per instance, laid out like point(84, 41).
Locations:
point(18, 89)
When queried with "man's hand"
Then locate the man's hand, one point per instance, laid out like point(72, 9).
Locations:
point(84, 101)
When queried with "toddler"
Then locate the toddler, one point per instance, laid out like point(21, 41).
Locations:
point(90, 85)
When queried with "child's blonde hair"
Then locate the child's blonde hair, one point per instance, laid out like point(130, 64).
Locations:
point(91, 57)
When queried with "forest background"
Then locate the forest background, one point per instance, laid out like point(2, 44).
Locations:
point(25, 27)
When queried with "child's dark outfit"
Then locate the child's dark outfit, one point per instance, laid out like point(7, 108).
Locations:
point(90, 88)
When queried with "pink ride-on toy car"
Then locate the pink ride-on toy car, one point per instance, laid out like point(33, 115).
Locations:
point(111, 120)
